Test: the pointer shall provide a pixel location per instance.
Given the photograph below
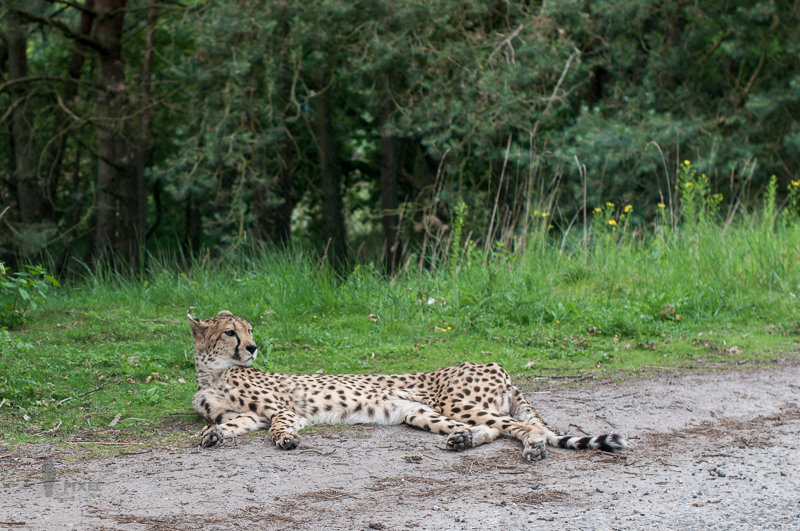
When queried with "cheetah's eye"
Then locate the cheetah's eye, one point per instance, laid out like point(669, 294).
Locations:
point(230, 333)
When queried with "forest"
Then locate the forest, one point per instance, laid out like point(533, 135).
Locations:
point(381, 132)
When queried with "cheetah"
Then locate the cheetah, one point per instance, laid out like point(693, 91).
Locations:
point(472, 404)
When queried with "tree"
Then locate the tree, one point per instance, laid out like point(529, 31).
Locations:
point(357, 128)
point(29, 197)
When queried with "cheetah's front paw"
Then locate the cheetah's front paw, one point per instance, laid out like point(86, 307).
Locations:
point(459, 440)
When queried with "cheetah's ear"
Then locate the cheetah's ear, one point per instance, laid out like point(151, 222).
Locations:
point(194, 322)
point(225, 313)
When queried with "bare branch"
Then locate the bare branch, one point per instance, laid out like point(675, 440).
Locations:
point(32, 79)
point(63, 28)
point(79, 7)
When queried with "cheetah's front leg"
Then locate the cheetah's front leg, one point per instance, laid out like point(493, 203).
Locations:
point(215, 434)
point(223, 421)
point(285, 425)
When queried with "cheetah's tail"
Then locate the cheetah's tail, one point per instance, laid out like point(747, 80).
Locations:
point(610, 442)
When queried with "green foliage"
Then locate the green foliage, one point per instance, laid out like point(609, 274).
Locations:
point(506, 107)
point(22, 291)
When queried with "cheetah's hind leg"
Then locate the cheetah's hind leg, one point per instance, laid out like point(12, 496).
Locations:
point(460, 436)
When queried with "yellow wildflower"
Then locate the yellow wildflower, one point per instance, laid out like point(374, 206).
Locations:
point(628, 209)
point(795, 183)
point(598, 210)
point(610, 204)
point(662, 206)
point(612, 222)
point(687, 162)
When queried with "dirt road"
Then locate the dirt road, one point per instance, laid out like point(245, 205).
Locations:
point(712, 450)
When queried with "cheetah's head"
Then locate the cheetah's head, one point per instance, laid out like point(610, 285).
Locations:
point(222, 341)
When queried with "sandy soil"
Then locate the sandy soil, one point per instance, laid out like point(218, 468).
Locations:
point(710, 450)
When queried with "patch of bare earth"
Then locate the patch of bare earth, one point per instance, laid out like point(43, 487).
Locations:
point(712, 450)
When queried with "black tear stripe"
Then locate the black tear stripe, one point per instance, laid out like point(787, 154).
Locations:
point(236, 355)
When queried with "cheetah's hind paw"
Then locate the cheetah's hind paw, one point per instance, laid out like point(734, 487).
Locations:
point(459, 440)
point(290, 441)
point(534, 452)
point(211, 437)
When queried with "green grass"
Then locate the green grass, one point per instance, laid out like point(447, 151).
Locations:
point(717, 295)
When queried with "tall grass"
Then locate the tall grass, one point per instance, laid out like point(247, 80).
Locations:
point(693, 287)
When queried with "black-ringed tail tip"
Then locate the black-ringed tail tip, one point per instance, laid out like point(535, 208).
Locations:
point(610, 442)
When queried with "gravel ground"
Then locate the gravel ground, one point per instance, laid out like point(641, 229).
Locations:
point(711, 450)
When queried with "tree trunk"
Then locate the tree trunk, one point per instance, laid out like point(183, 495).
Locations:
point(137, 194)
point(283, 185)
point(118, 184)
point(53, 157)
point(333, 231)
point(282, 226)
point(390, 218)
point(275, 199)
point(193, 226)
point(29, 197)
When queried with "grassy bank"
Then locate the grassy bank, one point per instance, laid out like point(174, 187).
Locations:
point(111, 357)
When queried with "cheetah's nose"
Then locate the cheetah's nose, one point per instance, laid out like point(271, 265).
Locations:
point(252, 348)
